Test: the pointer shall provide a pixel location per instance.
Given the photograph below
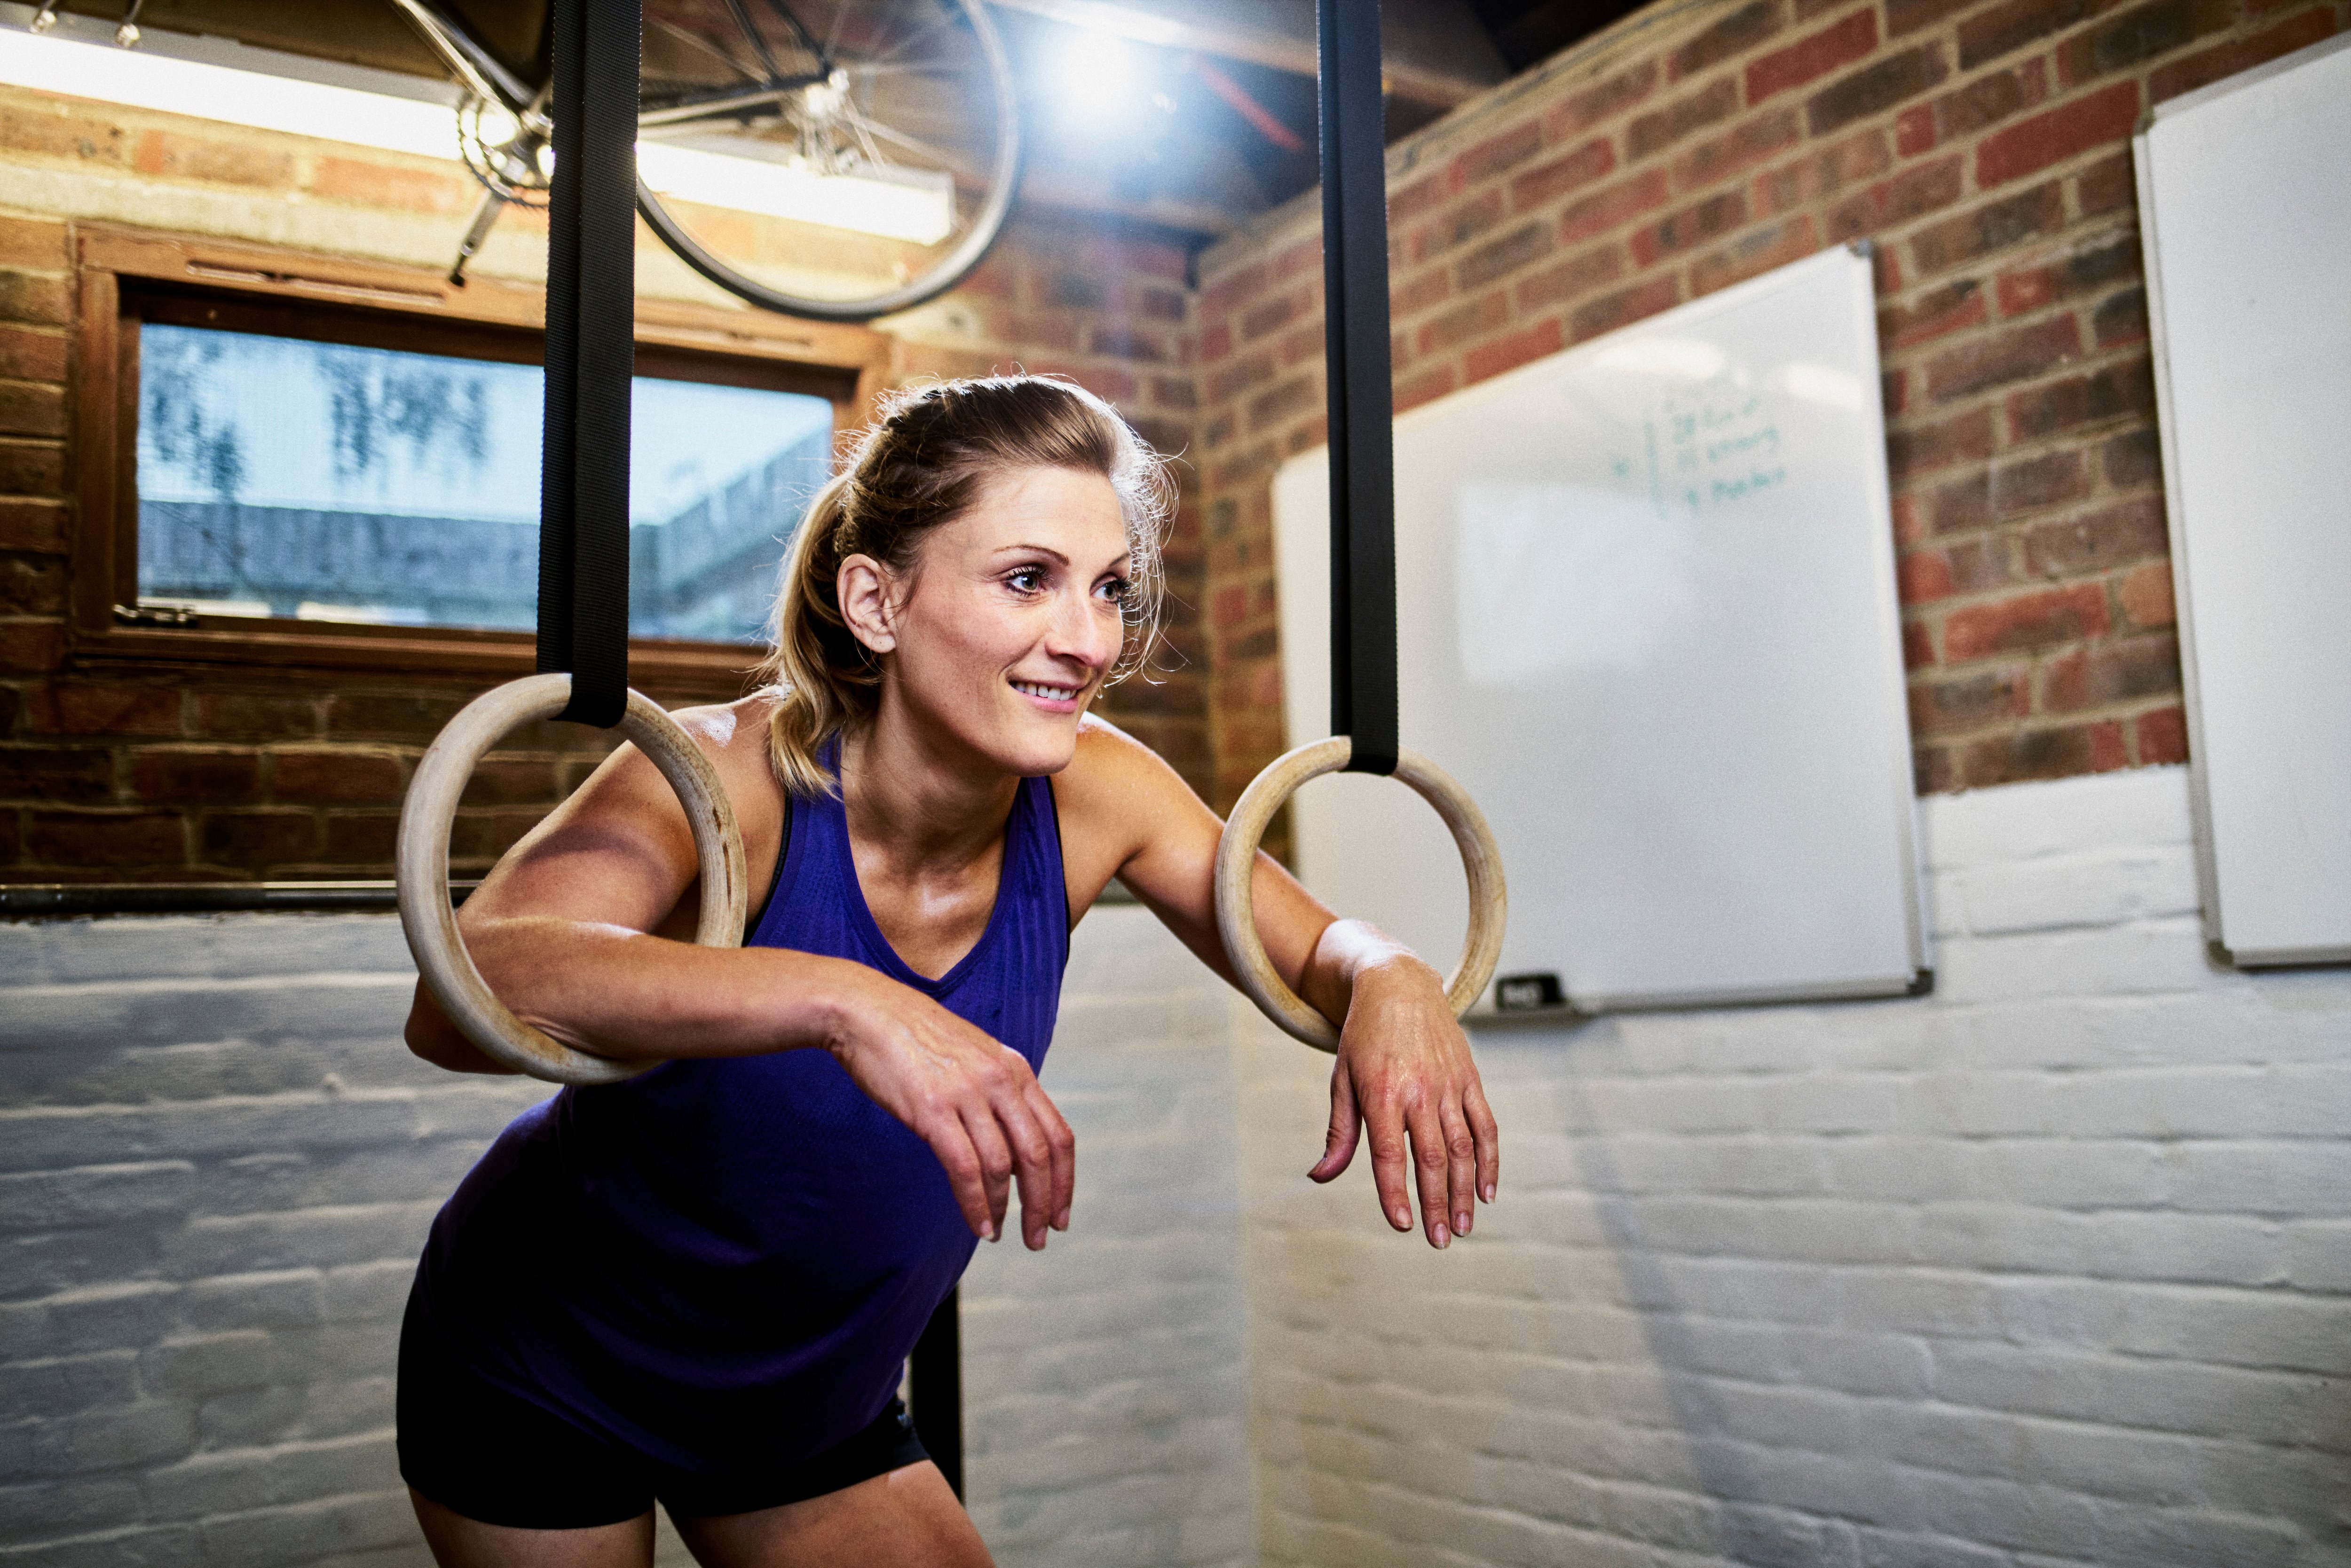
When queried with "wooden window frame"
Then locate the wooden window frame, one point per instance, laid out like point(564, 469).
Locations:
point(126, 276)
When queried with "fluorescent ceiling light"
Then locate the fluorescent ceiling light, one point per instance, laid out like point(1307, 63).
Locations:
point(901, 203)
point(148, 77)
point(273, 92)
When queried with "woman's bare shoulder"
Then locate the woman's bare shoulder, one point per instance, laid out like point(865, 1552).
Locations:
point(1108, 758)
point(1121, 792)
point(734, 736)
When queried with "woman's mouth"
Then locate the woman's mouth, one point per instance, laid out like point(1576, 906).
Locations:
point(1044, 692)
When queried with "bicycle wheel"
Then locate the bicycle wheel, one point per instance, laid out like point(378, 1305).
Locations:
point(834, 159)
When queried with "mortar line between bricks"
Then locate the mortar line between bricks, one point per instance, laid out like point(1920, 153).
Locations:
point(306, 1097)
point(1904, 1401)
point(1634, 1483)
point(337, 980)
point(1507, 1514)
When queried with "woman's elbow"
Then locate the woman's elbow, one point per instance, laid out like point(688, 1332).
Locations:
point(432, 1037)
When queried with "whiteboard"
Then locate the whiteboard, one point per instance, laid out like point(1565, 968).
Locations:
point(1647, 614)
point(2245, 206)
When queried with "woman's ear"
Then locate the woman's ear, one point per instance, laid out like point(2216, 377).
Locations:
point(864, 590)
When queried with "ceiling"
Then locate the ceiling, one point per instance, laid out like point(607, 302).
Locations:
point(1222, 125)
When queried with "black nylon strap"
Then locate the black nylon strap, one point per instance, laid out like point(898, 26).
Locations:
point(583, 527)
point(1356, 347)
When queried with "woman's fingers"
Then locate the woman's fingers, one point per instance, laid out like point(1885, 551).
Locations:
point(1405, 1080)
point(1032, 1164)
point(976, 1103)
point(1433, 1167)
point(952, 1143)
point(979, 1120)
point(1346, 1123)
point(1489, 1139)
point(1062, 1147)
point(1040, 1148)
point(1391, 1167)
point(1461, 1163)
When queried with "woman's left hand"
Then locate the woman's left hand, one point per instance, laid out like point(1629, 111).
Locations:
point(1404, 1076)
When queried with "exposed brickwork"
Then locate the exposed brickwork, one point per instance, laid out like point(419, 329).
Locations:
point(2049, 1268)
point(1982, 146)
point(108, 774)
point(217, 1164)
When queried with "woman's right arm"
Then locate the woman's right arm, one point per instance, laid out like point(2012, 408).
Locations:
point(581, 930)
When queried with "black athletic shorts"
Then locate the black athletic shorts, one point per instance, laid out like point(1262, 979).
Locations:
point(492, 1455)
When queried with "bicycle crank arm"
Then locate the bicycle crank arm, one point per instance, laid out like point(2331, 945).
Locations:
point(485, 216)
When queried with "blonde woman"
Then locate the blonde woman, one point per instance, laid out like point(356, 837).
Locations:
point(698, 1285)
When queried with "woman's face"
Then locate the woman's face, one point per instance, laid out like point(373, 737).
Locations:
point(1011, 617)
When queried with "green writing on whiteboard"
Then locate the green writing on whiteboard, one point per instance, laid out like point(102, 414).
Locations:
point(1714, 445)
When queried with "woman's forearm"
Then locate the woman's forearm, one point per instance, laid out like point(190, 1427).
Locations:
point(616, 992)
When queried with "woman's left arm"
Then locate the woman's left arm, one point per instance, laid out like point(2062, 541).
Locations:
point(1403, 1079)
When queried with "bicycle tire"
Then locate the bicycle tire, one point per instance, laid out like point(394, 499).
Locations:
point(951, 269)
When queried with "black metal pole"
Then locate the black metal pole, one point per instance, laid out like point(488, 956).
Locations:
point(584, 541)
point(1355, 346)
point(935, 1379)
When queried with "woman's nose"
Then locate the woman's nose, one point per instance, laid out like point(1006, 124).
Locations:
point(1080, 632)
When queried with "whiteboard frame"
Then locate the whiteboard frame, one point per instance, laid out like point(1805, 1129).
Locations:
point(2200, 798)
point(1885, 608)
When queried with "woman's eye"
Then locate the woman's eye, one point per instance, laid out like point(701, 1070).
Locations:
point(1027, 579)
point(1116, 589)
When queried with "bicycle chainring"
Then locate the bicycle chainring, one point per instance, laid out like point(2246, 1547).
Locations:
point(509, 167)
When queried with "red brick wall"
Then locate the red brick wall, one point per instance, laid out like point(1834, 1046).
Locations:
point(1983, 144)
point(177, 774)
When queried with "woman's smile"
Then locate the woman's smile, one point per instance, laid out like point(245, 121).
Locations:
point(1052, 698)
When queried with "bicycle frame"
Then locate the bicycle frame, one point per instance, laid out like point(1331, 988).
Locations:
point(473, 63)
point(487, 78)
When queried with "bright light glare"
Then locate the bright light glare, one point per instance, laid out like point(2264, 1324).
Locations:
point(901, 203)
point(1683, 357)
point(148, 80)
point(1098, 76)
point(1823, 384)
point(898, 204)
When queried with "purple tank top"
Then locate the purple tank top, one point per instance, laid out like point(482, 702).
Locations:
point(725, 1263)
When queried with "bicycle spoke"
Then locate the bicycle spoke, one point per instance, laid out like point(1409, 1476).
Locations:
point(832, 34)
point(936, 154)
point(891, 54)
point(751, 35)
point(877, 69)
point(695, 40)
point(883, 33)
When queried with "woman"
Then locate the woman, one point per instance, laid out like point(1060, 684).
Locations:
point(700, 1283)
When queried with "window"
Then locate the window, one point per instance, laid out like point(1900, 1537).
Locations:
point(278, 476)
point(314, 469)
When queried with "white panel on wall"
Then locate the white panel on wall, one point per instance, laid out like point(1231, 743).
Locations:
point(1646, 614)
point(2245, 206)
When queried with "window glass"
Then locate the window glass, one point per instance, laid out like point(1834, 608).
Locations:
point(287, 477)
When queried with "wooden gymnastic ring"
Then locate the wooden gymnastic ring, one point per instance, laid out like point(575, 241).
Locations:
point(423, 861)
point(1236, 860)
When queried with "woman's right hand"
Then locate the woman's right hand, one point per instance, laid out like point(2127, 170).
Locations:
point(974, 1100)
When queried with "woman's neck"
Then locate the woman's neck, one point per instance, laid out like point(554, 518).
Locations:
point(922, 805)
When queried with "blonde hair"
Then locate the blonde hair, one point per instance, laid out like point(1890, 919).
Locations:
point(919, 465)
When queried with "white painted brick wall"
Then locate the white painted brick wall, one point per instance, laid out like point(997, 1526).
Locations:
point(217, 1163)
point(2053, 1267)
point(216, 1166)
point(1105, 1379)
point(2049, 1268)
